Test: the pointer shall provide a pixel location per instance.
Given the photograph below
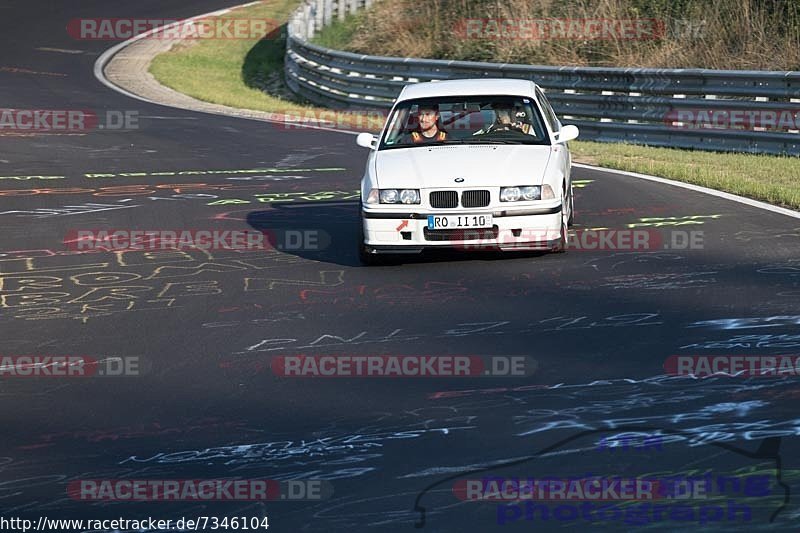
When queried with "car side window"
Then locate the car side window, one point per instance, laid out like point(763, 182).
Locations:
point(549, 114)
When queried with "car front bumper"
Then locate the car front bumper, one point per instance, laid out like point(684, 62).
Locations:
point(522, 228)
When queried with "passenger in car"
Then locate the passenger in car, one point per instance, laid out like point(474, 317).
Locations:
point(504, 121)
point(427, 130)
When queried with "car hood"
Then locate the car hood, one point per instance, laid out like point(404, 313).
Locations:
point(478, 165)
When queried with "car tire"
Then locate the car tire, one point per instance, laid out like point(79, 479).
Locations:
point(561, 245)
point(571, 219)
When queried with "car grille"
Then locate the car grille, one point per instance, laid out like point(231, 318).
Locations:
point(475, 198)
point(460, 234)
point(444, 199)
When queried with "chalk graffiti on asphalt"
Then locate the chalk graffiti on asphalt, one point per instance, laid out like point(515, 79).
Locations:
point(43, 285)
point(458, 330)
point(82, 209)
point(27, 178)
point(658, 222)
point(749, 322)
point(758, 342)
point(133, 190)
point(276, 197)
point(688, 280)
point(208, 172)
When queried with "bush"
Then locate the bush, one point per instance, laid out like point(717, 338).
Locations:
point(718, 34)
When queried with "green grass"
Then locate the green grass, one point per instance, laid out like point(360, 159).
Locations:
point(226, 71)
point(223, 71)
point(772, 179)
point(340, 32)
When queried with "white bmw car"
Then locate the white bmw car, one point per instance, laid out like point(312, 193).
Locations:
point(470, 164)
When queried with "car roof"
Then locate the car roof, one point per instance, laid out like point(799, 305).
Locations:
point(466, 87)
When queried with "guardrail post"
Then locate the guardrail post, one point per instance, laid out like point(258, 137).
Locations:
point(319, 16)
point(308, 21)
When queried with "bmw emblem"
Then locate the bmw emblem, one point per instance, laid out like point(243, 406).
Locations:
point(459, 180)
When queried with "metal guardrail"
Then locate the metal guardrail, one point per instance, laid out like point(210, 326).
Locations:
point(633, 105)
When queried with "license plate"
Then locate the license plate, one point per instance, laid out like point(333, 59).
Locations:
point(459, 221)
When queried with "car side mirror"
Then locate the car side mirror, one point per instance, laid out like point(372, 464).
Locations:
point(367, 140)
point(567, 133)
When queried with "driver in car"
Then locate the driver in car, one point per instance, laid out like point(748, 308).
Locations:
point(428, 130)
point(504, 121)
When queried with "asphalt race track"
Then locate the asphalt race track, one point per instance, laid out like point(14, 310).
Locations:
point(205, 326)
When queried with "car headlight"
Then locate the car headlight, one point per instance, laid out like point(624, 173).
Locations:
point(409, 196)
point(531, 193)
point(389, 196)
point(399, 196)
point(547, 193)
point(521, 193)
point(510, 194)
point(373, 197)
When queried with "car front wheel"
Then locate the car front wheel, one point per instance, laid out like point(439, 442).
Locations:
point(571, 219)
point(561, 245)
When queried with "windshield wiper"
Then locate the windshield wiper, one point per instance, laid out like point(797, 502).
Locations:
point(494, 141)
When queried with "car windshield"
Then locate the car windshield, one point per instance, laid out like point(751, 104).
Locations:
point(465, 120)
